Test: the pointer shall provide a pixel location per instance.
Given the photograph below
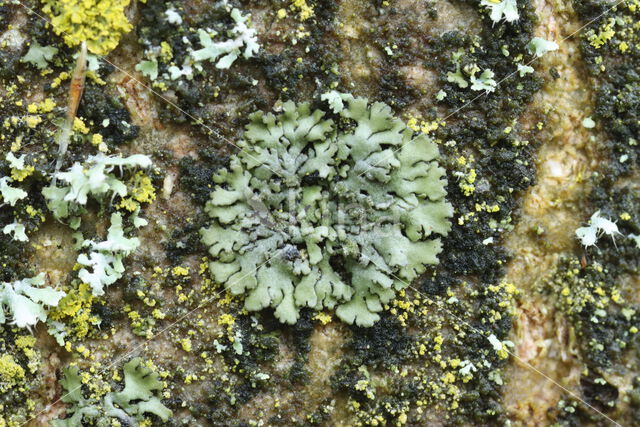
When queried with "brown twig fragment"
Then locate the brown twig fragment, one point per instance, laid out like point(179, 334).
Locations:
point(75, 94)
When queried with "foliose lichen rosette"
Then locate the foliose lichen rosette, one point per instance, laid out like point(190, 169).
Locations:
point(314, 213)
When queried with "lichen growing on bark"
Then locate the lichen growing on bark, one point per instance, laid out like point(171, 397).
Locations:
point(317, 213)
point(100, 23)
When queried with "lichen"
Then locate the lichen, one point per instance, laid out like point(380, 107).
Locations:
point(182, 55)
point(27, 300)
point(302, 7)
point(224, 53)
point(104, 264)
point(502, 9)
point(416, 361)
point(139, 397)
point(99, 23)
point(73, 309)
point(10, 372)
point(313, 213)
point(97, 178)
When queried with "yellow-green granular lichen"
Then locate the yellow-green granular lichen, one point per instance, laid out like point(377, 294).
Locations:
point(305, 11)
point(11, 373)
point(20, 376)
point(74, 312)
point(142, 191)
point(99, 23)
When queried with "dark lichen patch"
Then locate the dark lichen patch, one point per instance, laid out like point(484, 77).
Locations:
point(595, 289)
point(484, 191)
point(185, 242)
point(382, 345)
point(307, 67)
point(12, 255)
point(610, 48)
point(240, 368)
point(446, 370)
point(6, 12)
point(204, 94)
point(108, 114)
point(603, 319)
point(196, 175)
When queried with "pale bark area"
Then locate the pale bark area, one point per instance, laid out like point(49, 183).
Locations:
point(569, 155)
point(544, 340)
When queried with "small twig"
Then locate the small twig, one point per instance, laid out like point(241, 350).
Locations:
point(75, 94)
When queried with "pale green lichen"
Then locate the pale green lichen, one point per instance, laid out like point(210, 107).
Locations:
point(26, 300)
point(148, 68)
point(96, 177)
point(17, 231)
point(523, 70)
point(140, 396)
point(10, 194)
point(226, 52)
point(484, 81)
point(499, 10)
point(39, 56)
point(103, 266)
point(313, 213)
point(220, 46)
point(539, 46)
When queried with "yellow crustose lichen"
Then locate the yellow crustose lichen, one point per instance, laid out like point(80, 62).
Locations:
point(75, 309)
point(10, 372)
point(142, 191)
point(303, 8)
point(100, 23)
